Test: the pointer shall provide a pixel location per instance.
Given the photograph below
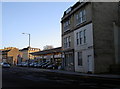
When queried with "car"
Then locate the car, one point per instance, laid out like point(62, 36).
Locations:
point(19, 64)
point(41, 64)
point(46, 65)
point(31, 64)
point(24, 64)
point(35, 64)
point(52, 66)
point(5, 65)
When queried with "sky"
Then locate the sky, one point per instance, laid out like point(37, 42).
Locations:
point(40, 19)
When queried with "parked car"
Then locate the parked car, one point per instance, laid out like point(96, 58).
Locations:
point(1, 63)
point(5, 65)
point(52, 66)
point(31, 64)
point(19, 64)
point(46, 65)
point(41, 64)
point(35, 64)
point(24, 64)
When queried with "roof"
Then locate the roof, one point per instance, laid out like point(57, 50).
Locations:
point(72, 7)
point(54, 50)
point(72, 10)
point(29, 48)
point(5, 50)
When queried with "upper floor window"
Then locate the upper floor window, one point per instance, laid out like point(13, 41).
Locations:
point(67, 42)
point(66, 25)
point(81, 17)
point(84, 35)
point(77, 38)
point(81, 37)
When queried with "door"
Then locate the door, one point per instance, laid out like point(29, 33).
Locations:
point(90, 68)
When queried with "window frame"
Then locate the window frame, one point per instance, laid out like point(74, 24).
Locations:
point(81, 16)
point(67, 24)
point(79, 57)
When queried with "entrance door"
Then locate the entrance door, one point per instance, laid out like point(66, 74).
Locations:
point(90, 69)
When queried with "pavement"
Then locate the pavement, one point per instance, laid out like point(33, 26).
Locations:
point(63, 72)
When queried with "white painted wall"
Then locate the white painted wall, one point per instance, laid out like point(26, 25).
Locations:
point(86, 49)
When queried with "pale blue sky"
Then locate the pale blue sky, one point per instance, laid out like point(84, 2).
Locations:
point(40, 19)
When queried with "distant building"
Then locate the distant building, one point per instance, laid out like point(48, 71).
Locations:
point(26, 53)
point(10, 55)
point(53, 55)
point(88, 36)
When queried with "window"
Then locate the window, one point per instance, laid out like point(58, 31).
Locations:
point(80, 17)
point(66, 25)
point(83, 16)
point(77, 37)
point(64, 42)
point(84, 34)
point(69, 59)
point(67, 42)
point(79, 54)
point(80, 37)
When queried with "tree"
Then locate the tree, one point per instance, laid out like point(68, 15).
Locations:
point(47, 47)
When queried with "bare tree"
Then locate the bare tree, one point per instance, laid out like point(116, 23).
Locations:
point(47, 47)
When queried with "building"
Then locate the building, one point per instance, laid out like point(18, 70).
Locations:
point(88, 30)
point(53, 55)
point(10, 55)
point(26, 53)
point(117, 43)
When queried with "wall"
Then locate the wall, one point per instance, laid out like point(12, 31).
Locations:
point(14, 54)
point(25, 55)
point(103, 15)
point(119, 32)
point(86, 49)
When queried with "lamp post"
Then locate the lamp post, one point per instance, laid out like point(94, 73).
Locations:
point(28, 46)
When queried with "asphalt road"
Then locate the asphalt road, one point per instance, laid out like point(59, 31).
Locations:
point(23, 77)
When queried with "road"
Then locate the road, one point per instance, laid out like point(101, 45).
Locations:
point(23, 77)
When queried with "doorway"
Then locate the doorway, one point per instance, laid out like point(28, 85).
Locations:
point(90, 66)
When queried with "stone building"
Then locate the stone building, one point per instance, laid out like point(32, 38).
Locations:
point(26, 53)
point(10, 55)
point(88, 36)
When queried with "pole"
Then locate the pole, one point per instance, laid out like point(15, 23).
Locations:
point(29, 40)
point(28, 48)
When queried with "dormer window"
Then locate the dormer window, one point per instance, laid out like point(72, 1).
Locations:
point(68, 10)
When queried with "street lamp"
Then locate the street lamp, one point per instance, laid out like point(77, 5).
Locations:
point(28, 46)
point(29, 37)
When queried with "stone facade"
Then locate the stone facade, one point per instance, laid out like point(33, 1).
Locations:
point(98, 56)
point(26, 53)
point(10, 55)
